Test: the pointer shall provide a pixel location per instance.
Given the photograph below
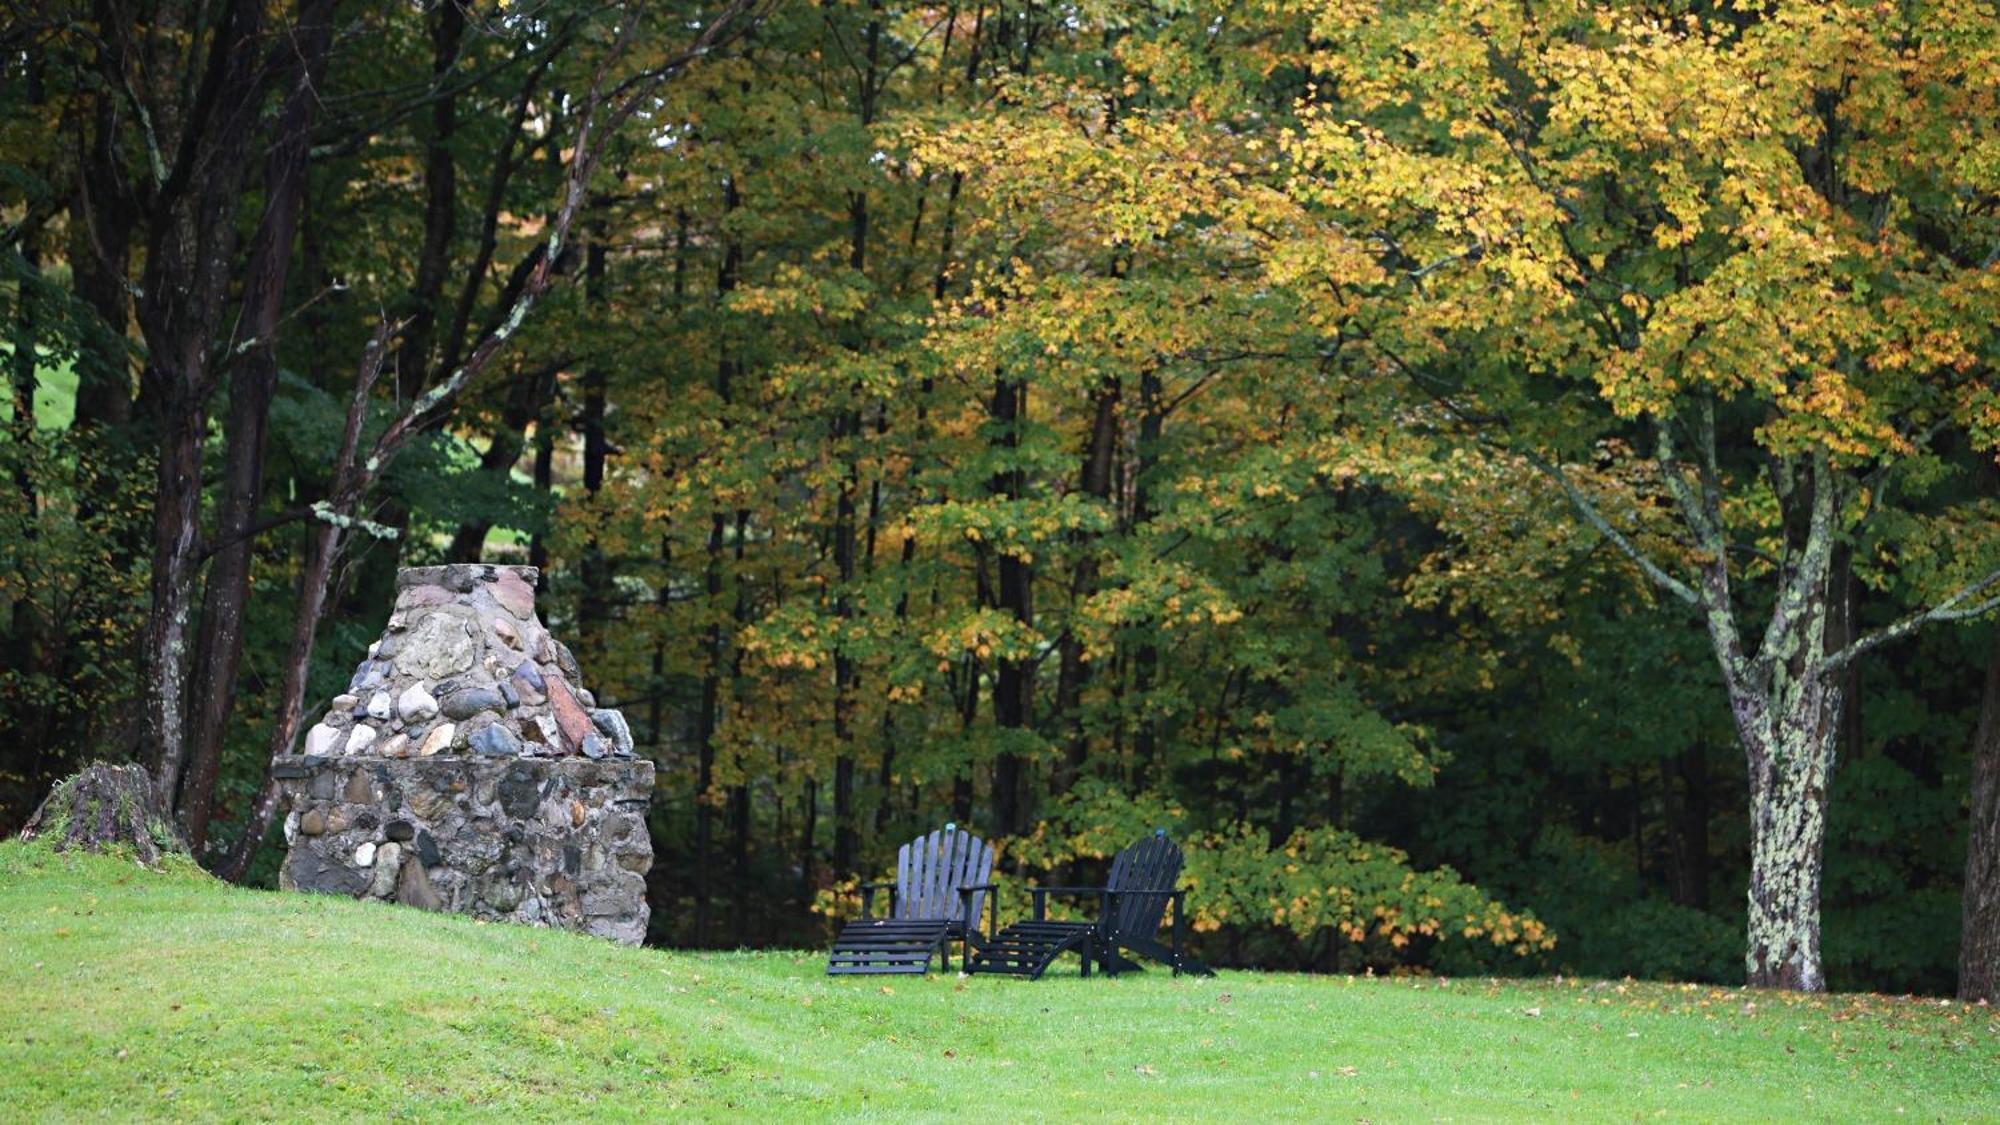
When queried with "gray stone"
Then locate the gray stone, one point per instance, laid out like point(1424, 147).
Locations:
point(380, 707)
point(313, 823)
point(508, 693)
point(343, 702)
point(566, 661)
point(427, 850)
point(586, 697)
point(388, 647)
point(441, 645)
point(466, 703)
point(528, 683)
point(307, 870)
point(520, 791)
point(612, 723)
point(413, 887)
point(594, 745)
point(495, 741)
point(504, 629)
point(399, 830)
point(388, 865)
point(371, 675)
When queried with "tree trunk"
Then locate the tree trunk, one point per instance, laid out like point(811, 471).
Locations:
point(190, 255)
point(440, 180)
point(1787, 844)
point(1073, 671)
point(1979, 941)
point(709, 721)
point(219, 649)
point(1014, 683)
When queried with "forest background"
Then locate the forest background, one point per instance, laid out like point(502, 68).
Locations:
point(1513, 490)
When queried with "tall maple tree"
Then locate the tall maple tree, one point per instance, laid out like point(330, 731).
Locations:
point(1724, 283)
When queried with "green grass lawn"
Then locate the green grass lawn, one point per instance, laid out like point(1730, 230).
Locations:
point(131, 993)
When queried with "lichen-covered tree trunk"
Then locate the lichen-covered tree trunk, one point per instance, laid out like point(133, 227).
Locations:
point(1787, 841)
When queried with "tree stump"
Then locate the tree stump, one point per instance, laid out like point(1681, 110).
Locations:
point(106, 807)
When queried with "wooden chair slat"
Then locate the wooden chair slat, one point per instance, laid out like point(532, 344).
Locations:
point(929, 911)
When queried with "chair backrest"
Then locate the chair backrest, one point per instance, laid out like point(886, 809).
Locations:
point(930, 869)
point(1152, 864)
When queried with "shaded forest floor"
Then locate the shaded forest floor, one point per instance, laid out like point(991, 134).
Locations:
point(131, 993)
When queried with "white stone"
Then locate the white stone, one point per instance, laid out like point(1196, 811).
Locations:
point(379, 707)
point(360, 739)
point(322, 739)
point(416, 704)
point(364, 856)
point(440, 738)
point(395, 746)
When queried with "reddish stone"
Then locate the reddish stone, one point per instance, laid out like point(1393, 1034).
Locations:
point(514, 595)
point(570, 715)
point(416, 597)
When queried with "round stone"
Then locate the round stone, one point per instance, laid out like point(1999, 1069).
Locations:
point(466, 703)
point(344, 702)
point(360, 739)
point(379, 707)
point(364, 856)
point(416, 703)
point(321, 740)
point(613, 724)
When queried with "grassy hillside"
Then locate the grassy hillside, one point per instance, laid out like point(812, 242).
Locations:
point(130, 993)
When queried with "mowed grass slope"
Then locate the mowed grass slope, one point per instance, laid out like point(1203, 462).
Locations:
point(131, 993)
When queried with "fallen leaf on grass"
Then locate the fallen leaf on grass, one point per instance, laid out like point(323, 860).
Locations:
point(1531, 1011)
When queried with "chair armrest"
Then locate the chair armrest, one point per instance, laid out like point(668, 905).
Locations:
point(868, 898)
point(965, 893)
point(1041, 897)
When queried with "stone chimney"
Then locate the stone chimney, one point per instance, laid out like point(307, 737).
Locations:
point(466, 768)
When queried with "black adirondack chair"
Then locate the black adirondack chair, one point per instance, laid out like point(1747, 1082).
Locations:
point(939, 894)
point(1131, 905)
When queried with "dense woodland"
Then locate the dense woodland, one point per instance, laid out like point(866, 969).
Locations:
point(1512, 487)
